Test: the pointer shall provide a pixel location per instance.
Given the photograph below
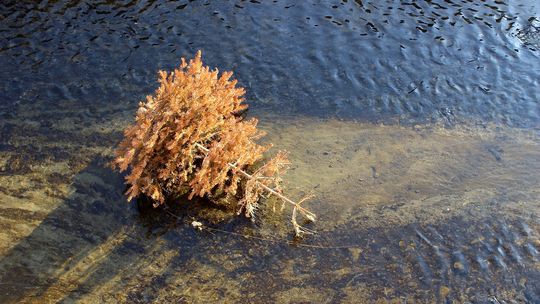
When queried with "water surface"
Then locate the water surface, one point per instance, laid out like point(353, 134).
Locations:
point(414, 123)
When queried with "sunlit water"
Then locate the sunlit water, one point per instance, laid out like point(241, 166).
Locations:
point(414, 123)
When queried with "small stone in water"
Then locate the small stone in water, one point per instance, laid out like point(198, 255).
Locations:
point(444, 291)
point(458, 266)
point(197, 225)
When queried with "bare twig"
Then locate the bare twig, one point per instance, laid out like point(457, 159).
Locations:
point(296, 206)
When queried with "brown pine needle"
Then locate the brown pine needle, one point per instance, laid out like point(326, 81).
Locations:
point(299, 230)
point(189, 135)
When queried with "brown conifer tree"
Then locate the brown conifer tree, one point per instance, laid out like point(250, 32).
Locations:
point(188, 136)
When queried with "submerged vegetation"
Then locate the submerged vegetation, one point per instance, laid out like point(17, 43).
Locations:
point(190, 137)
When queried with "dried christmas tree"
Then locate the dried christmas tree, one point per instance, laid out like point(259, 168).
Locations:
point(189, 136)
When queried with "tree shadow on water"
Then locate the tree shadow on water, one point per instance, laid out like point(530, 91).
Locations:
point(80, 224)
point(91, 239)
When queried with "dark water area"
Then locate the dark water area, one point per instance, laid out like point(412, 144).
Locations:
point(415, 123)
point(433, 60)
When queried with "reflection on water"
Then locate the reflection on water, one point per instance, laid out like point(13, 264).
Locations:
point(438, 204)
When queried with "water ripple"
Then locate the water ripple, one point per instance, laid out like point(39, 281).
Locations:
point(415, 61)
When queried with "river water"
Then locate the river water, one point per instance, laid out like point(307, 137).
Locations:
point(414, 123)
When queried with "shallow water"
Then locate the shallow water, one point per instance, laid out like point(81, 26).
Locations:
point(415, 124)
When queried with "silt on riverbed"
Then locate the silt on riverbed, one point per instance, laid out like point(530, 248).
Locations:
point(421, 213)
